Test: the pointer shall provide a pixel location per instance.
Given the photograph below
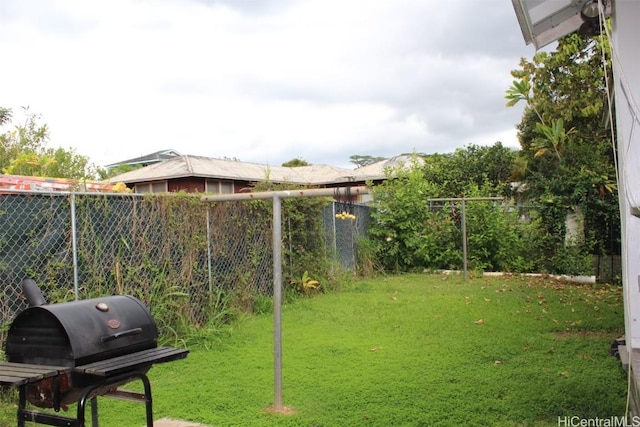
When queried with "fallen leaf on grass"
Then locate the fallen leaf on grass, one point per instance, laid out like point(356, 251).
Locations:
point(479, 322)
point(374, 349)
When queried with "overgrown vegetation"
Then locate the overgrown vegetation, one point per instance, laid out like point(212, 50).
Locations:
point(304, 246)
point(415, 350)
point(195, 265)
point(567, 158)
point(417, 227)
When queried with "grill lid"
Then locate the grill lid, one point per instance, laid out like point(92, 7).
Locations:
point(80, 332)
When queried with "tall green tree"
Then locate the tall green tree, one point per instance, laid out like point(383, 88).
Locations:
point(24, 151)
point(459, 173)
point(567, 157)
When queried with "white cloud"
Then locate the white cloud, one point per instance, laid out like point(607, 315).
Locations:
point(263, 81)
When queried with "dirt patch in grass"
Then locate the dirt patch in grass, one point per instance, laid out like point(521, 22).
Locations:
point(282, 410)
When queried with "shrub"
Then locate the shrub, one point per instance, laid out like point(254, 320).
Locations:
point(414, 228)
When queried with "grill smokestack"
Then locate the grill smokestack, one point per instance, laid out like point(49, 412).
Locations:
point(32, 292)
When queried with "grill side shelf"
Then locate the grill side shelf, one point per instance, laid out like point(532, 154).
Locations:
point(132, 361)
point(17, 374)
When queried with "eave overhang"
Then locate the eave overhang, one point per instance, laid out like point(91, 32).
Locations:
point(545, 21)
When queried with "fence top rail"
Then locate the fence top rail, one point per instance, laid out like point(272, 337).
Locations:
point(285, 194)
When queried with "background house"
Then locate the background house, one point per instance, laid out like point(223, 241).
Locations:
point(197, 174)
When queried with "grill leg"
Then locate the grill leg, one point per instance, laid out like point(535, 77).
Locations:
point(82, 403)
point(94, 412)
point(148, 402)
point(22, 404)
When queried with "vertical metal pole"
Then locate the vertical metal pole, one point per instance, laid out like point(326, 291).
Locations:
point(22, 404)
point(209, 252)
point(335, 231)
point(94, 412)
point(352, 237)
point(464, 239)
point(290, 240)
point(74, 240)
point(148, 400)
point(277, 301)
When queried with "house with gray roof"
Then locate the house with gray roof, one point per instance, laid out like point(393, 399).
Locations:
point(197, 174)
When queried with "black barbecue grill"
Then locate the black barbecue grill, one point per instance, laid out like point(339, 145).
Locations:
point(59, 354)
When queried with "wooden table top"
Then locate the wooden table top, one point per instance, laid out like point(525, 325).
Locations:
point(17, 374)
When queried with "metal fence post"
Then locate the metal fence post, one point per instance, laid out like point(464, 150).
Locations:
point(277, 301)
point(335, 233)
point(209, 270)
point(464, 239)
point(74, 245)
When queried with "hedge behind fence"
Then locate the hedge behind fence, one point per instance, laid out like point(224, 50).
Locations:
point(185, 259)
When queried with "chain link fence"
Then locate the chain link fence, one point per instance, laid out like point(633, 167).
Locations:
point(342, 231)
point(178, 255)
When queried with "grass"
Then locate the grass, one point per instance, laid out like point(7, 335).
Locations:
point(415, 350)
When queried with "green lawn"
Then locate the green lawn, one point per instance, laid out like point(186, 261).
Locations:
point(415, 350)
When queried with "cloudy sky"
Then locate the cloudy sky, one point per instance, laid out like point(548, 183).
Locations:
point(263, 81)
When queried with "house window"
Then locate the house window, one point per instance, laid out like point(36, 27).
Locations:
point(159, 187)
point(143, 188)
point(219, 187)
point(152, 187)
point(212, 187)
point(226, 187)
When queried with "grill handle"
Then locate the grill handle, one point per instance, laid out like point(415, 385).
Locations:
point(127, 333)
point(32, 292)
